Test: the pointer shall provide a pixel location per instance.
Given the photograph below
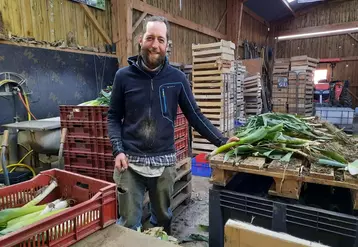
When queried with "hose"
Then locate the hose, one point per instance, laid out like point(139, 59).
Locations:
point(3, 157)
point(24, 102)
point(28, 105)
point(27, 108)
point(21, 165)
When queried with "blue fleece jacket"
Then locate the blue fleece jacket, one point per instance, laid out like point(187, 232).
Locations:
point(143, 110)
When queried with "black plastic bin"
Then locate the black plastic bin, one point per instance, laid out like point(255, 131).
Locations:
point(16, 177)
point(277, 214)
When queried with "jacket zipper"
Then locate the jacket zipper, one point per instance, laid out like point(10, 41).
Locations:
point(164, 101)
point(151, 98)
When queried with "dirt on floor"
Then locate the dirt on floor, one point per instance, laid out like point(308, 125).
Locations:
point(196, 214)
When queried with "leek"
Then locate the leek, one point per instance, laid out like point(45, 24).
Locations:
point(12, 213)
point(41, 196)
point(27, 222)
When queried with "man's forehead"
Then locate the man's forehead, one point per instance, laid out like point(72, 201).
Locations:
point(156, 27)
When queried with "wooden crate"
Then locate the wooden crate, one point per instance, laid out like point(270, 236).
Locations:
point(252, 95)
point(281, 66)
point(288, 178)
point(203, 53)
point(282, 108)
point(303, 63)
point(214, 86)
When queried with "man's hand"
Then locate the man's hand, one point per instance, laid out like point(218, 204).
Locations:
point(233, 139)
point(121, 162)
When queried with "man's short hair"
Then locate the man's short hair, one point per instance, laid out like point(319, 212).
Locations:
point(153, 19)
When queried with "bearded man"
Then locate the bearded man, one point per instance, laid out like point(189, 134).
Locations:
point(141, 117)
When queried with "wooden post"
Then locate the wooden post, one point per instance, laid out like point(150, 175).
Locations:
point(233, 21)
point(123, 23)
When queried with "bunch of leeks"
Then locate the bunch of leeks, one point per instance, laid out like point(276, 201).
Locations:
point(280, 136)
point(13, 219)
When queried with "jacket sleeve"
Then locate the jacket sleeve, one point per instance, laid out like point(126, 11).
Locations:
point(115, 115)
point(196, 118)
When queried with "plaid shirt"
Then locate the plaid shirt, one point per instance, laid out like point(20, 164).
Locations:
point(154, 161)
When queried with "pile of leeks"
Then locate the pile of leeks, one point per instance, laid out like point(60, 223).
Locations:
point(13, 219)
point(280, 136)
point(103, 99)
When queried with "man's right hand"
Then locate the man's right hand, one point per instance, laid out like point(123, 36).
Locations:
point(121, 162)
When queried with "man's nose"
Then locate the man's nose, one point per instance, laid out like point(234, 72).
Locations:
point(155, 43)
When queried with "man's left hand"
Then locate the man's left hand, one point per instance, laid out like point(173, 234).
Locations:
point(233, 139)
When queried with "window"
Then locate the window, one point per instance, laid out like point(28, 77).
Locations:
point(320, 74)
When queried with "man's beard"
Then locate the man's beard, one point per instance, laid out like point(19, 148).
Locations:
point(152, 62)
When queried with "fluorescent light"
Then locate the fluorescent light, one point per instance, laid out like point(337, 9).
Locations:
point(318, 33)
point(290, 1)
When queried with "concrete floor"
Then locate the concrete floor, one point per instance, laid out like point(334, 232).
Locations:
point(195, 214)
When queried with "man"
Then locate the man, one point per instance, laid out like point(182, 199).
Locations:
point(141, 117)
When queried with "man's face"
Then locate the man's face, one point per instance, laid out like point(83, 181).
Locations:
point(154, 44)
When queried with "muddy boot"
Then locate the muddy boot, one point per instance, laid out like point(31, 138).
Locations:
point(167, 227)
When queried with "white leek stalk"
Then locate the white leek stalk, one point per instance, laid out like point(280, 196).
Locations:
point(41, 196)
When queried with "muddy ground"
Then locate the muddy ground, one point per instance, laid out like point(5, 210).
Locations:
point(195, 214)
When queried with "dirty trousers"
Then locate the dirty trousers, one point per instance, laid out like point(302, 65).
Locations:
point(131, 188)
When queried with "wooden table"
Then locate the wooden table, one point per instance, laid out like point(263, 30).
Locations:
point(119, 236)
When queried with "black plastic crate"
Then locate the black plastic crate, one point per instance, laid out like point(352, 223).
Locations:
point(16, 177)
point(250, 203)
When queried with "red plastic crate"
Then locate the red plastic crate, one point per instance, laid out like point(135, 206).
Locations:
point(83, 113)
point(86, 129)
point(182, 154)
point(104, 146)
point(106, 162)
point(105, 175)
point(95, 209)
point(80, 160)
point(181, 132)
point(80, 144)
point(181, 143)
point(180, 120)
point(80, 129)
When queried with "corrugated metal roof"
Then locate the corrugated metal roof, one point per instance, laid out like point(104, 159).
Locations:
point(273, 10)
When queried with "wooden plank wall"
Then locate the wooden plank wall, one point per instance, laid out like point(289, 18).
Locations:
point(52, 20)
point(325, 47)
point(253, 30)
point(205, 12)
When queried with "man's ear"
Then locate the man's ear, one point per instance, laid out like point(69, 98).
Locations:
point(140, 40)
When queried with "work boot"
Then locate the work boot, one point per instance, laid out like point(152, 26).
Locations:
point(167, 227)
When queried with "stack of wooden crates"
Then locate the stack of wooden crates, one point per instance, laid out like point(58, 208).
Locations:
point(280, 85)
point(300, 85)
point(293, 85)
point(214, 88)
point(252, 95)
point(240, 71)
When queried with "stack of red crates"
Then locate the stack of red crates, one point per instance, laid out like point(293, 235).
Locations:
point(87, 149)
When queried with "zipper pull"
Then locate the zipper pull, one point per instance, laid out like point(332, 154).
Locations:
point(151, 83)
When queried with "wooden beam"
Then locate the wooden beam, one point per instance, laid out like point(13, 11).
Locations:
point(221, 20)
point(144, 7)
point(96, 24)
point(255, 16)
point(124, 22)
point(136, 24)
point(114, 15)
point(317, 30)
point(5, 42)
point(241, 8)
point(350, 35)
point(289, 7)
